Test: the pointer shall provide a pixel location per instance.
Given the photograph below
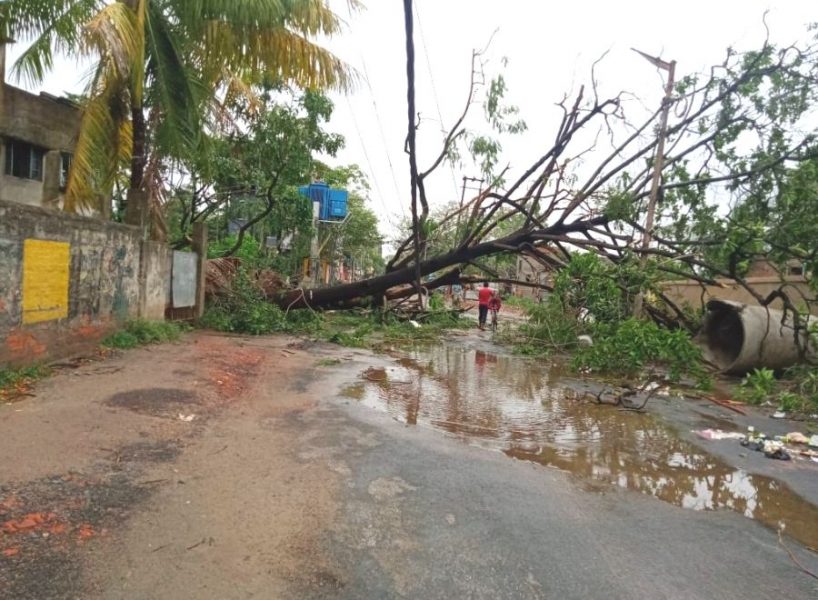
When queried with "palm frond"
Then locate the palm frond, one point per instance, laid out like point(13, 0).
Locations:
point(105, 140)
point(52, 26)
point(173, 89)
point(115, 35)
point(278, 53)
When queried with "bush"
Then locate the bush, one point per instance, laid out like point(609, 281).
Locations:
point(15, 380)
point(758, 386)
point(626, 348)
point(550, 327)
point(137, 332)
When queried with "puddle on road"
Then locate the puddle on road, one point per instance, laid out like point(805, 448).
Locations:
point(531, 411)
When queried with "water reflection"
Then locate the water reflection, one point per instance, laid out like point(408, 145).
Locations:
point(531, 411)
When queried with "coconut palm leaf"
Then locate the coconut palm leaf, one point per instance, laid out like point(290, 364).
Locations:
point(54, 26)
point(172, 58)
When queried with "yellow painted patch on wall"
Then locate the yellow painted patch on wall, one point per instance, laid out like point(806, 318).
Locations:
point(45, 280)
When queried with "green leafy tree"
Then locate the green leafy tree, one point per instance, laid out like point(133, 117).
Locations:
point(251, 174)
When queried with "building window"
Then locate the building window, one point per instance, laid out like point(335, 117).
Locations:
point(65, 167)
point(796, 270)
point(24, 160)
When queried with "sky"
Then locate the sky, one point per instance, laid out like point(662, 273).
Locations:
point(550, 47)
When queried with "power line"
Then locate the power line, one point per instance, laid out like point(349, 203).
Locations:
point(434, 89)
point(383, 135)
point(366, 155)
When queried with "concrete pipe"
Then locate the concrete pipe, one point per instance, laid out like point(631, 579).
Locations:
point(738, 338)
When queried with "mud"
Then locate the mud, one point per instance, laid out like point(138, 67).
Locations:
point(535, 412)
point(157, 402)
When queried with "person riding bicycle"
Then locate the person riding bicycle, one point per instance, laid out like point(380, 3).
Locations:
point(494, 306)
point(483, 298)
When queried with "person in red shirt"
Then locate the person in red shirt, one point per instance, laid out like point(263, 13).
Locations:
point(483, 298)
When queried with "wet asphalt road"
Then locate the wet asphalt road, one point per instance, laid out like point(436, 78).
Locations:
point(426, 516)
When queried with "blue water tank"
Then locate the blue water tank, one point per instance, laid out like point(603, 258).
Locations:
point(338, 204)
point(332, 203)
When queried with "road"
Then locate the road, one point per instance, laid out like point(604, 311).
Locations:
point(231, 467)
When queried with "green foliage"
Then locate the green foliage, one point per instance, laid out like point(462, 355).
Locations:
point(12, 380)
point(628, 347)
point(758, 386)
point(436, 301)
point(589, 284)
point(801, 390)
point(137, 332)
point(371, 330)
point(250, 251)
point(328, 362)
point(549, 327)
point(246, 310)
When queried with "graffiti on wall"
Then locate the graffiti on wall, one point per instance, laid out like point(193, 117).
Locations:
point(45, 280)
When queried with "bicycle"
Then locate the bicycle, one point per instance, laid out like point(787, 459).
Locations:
point(494, 320)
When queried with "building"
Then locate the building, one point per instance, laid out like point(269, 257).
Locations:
point(37, 137)
point(763, 278)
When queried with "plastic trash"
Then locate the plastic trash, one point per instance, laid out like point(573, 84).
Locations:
point(775, 449)
point(718, 434)
point(796, 437)
point(779, 415)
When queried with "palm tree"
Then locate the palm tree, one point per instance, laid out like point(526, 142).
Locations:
point(160, 66)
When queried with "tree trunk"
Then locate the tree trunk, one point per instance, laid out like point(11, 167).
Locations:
point(340, 296)
point(138, 158)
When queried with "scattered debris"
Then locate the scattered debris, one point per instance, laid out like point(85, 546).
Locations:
point(585, 340)
point(209, 541)
point(796, 438)
point(718, 434)
point(779, 415)
point(728, 404)
point(186, 418)
point(85, 531)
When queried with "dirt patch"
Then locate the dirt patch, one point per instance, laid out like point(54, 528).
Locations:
point(158, 402)
point(148, 452)
point(45, 522)
point(231, 369)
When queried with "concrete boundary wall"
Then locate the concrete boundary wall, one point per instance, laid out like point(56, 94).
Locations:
point(66, 281)
point(691, 293)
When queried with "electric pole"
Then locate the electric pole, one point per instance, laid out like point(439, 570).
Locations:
point(658, 164)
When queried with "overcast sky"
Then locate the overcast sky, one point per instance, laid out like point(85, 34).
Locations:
point(550, 47)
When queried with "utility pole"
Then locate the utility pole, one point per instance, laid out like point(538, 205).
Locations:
point(478, 181)
point(658, 164)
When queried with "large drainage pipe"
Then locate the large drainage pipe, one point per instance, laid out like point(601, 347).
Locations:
point(738, 338)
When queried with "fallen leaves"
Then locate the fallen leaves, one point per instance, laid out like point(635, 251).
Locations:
point(85, 532)
point(31, 521)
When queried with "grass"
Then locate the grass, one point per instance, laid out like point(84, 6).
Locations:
point(15, 382)
point(360, 330)
point(138, 332)
point(328, 362)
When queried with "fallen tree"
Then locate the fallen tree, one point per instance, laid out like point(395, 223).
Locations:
point(734, 137)
point(731, 133)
